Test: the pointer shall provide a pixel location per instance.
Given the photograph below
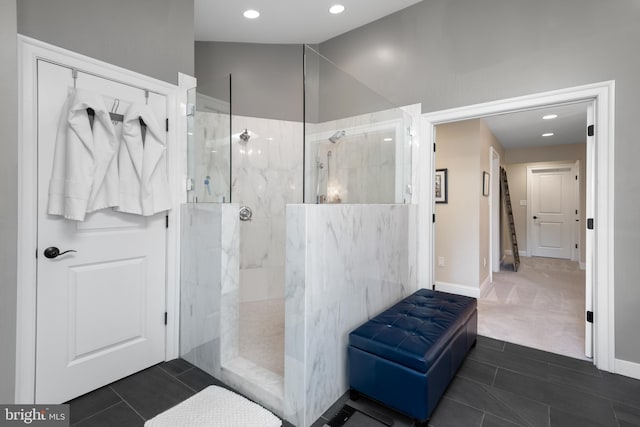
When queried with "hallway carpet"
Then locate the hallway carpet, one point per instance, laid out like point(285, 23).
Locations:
point(541, 306)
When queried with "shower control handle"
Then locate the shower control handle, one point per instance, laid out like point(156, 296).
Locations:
point(245, 213)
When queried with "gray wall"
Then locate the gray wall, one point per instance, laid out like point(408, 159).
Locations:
point(266, 78)
point(450, 53)
point(9, 197)
point(152, 37)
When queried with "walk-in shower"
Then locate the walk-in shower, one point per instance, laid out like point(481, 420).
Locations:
point(235, 266)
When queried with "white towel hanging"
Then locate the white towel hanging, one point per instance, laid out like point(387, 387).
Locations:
point(85, 175)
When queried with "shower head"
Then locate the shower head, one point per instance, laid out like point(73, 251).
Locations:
point(336, 136)
point(244, 136)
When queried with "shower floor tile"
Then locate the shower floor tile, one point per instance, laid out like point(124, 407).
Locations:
point(262, 333)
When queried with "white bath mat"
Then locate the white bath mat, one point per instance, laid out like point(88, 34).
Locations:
point(215, 407)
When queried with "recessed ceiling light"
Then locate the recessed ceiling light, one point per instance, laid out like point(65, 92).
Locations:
point(251, 14)
point(548, 134)
point(336, 8)
point(549, 116)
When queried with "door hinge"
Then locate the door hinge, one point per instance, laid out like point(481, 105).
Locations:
point(36, 253)
point(434, 147)
point(167, 124)
point(576, 246)
point(434, 218)
point(590, 316)
point(166, 221)
point(590, 130)
point(576, 177)
point(166, 316)
point(589, 223)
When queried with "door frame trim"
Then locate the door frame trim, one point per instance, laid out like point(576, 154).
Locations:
point(600, 242)
point(574, 256)
point(29, 51)
point(495, 161)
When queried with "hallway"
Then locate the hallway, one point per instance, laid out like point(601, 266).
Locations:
point(541, 306)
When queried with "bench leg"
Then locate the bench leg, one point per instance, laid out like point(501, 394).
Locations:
point(353, 394)
point(421, 423)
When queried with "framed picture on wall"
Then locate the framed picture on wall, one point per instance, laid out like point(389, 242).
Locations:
point(441, 193)
point(485, 183)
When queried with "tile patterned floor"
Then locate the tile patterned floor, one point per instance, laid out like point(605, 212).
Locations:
point(139, 397)
point(261, 337)
point(505, 385)
point(499, 385)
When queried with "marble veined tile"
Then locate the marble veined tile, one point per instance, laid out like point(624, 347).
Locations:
point(345, 264)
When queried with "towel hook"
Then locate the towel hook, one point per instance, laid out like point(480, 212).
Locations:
point(74, 75)
point(146, 97)
point(114, 110)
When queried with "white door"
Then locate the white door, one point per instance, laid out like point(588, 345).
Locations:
point(100, 310)
point(552, 211)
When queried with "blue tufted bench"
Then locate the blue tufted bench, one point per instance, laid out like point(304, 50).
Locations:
point(406, 356)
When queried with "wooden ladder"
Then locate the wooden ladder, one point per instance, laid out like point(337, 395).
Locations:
point(512, 226)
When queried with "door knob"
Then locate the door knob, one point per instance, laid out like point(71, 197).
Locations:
point(535, 217)
point(53, 252)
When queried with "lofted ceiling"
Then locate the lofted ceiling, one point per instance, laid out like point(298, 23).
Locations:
point(309, 21)
point(286, 21)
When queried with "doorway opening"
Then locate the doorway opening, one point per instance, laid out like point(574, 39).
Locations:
point(540, 305)
point(598, 198)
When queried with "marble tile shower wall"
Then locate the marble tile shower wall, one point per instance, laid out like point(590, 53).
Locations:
point(364, 168)
point(345, 264)
point(211, 158)
point(209, 285)
point(267, 175)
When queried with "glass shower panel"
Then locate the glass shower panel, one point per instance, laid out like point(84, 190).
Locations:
point(209, 154)
point(357, 144)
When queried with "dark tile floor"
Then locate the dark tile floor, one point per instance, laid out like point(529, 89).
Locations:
point(504, 385)
point(499, 385)
point(139, 397)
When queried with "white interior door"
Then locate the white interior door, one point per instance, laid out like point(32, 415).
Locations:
point(552, 211)
point(100, 310)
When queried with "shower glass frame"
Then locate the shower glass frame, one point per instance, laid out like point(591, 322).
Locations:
point(360, 136)
point(209, 142)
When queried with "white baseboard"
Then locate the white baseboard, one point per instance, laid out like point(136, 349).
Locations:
point(628, 369)
point(484, 286)
point(454, 288)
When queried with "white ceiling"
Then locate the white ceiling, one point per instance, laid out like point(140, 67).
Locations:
point(525, 128)
point(286, 21)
